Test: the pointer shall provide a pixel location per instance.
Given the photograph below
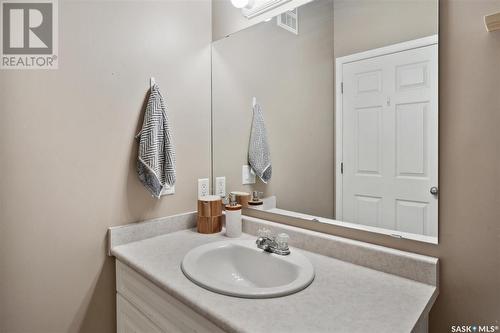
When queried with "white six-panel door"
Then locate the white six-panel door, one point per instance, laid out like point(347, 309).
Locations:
point(390, 141)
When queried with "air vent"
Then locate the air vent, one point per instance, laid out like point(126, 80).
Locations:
point(290, 21)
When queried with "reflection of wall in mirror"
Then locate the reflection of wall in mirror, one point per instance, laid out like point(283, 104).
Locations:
point(362, 25)
point(292, 77)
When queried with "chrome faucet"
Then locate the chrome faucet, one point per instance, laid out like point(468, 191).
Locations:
point(269, 243)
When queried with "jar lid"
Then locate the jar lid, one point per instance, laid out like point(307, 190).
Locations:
point(238, 193)
point(210, 198)
point(233, 207)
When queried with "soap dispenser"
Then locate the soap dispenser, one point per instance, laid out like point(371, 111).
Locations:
point(233, 217)
point(256, 202)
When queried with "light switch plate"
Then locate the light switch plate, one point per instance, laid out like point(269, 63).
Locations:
point(203, 187)
point(220, 186)
point(247, 175)
point(168, 190)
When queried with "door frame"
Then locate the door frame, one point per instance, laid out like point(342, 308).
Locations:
point(339, 63)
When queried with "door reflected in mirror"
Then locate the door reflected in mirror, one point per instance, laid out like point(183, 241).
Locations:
point(336, 113)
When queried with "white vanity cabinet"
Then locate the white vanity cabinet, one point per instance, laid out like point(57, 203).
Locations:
point(143, 307)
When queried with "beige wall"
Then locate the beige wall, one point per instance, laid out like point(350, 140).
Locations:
point(68, 155)
point(469, 227)
point(291, 76)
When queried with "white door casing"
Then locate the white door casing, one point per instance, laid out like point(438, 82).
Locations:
point(387, 138)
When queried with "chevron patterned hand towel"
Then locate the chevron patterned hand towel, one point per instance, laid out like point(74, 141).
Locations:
point(156, 160)
point(259, 156)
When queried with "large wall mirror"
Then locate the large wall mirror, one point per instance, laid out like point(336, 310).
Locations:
point(334, 105)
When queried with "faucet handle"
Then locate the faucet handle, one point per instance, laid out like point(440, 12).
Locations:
point(282, 241)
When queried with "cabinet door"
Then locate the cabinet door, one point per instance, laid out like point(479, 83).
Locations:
point(166, 312)
point(131, 320)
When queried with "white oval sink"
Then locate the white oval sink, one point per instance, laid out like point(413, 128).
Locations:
point(238, 268)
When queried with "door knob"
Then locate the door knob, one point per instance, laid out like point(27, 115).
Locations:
point(434, 190)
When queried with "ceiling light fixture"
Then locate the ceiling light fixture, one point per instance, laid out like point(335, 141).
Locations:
point(242, 3)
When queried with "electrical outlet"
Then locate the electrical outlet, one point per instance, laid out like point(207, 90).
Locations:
point(220, 186)
point(247, 175)
point(203, 187)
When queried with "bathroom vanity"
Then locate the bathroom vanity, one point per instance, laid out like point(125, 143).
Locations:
point(357, 287)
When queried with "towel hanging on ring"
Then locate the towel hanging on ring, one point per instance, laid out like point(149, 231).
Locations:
point(259, 155)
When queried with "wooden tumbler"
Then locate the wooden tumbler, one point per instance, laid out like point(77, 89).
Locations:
point(209, 214)
point(242, 198)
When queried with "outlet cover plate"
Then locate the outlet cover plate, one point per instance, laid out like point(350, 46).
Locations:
point(203, 187)
point(220, 186)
